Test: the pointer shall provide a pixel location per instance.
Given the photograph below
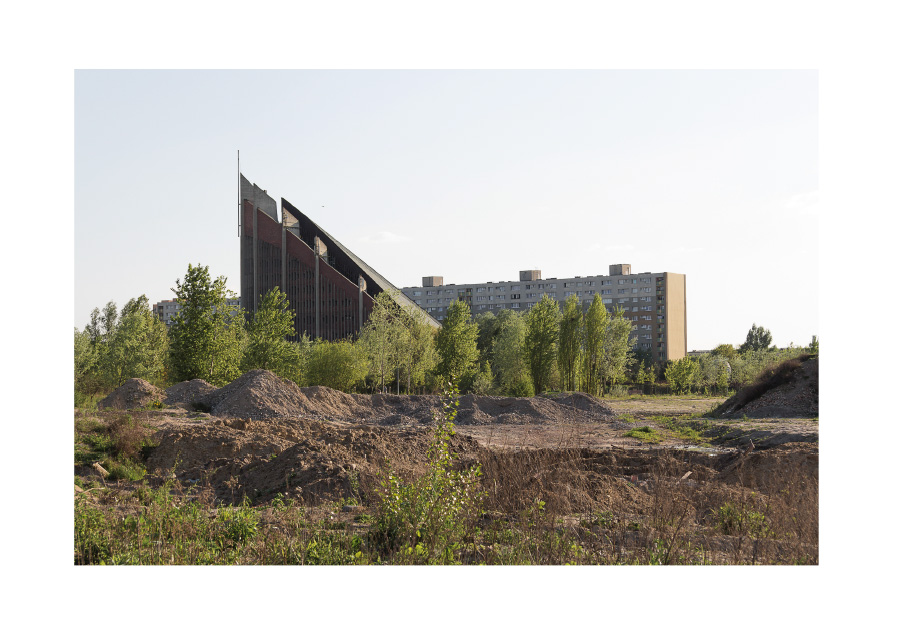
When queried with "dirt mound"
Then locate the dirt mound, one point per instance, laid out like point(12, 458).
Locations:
point(257, 394)
point(188, 393)
point(135, 393)
point(307, 459)
point(788, 390)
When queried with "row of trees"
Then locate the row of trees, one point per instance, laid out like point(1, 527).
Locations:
point(511, 353)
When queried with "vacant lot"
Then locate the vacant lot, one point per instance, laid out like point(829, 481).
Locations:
point(565, 478)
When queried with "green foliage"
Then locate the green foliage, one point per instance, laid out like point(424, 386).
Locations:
point(428, 519)
point(267, 333)
point(206, 339)
point(570, 343)
point(616, 349)
point(512, 373)
point(813, 346)
point(340, 365)
point(457, 344)
point(758, 339)
point(645, 434)
point(416, 355)
point(541, 341)
point(738, 520)
point(725, 351)
point(679, 375)
point(381, 337)
point(596, 324)
point(117, 346)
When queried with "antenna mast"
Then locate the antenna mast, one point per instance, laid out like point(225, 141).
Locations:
point(238, 194)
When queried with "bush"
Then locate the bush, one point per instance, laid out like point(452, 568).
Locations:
point(426, 520)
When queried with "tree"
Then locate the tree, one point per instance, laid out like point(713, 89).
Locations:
point(267, 332)
point(680, 375)
point(616, 350)
point(206, 335)
point(138, 345)
point(596, 323)
point(725, 351)
point(570, 345)
point(758, 339)
point(541, 340)
point(510, 365)
point(488, 330)
point(813, 346)
point(457, 344)
point(416, 353)
point(340, 365)
point(381, 338)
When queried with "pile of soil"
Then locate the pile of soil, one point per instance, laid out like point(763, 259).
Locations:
point(187, 394)
point(790, 390)
point(135, 393)
point(260, 394)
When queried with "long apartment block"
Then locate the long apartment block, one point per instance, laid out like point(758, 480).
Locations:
point(655, 302)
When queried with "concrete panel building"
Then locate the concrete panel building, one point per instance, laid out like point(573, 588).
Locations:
point(331, 289)
point(166, 310)
point(655, 302)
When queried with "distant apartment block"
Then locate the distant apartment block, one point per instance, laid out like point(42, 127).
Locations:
point(656, 303)
point(166, 310)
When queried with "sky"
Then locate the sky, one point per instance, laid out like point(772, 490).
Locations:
point(469, 175)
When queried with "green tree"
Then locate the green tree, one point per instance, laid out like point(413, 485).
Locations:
point(725, 351)
point(616, 350)
point(488, 330)
point(138, 345)
point(813, 345)
point(541, 341)
point(340, 365)
point(680, 375)
point(570, 343)
point(206, 335)
point(596, 324)
point(87, 380)
point(267, 333)
point(381, 338)
point(758, 339)
point(416, 355)
point(513, 375)
point(457, 344)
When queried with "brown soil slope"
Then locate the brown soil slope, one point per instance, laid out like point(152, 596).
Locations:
point(790, 390)
point(135, 393)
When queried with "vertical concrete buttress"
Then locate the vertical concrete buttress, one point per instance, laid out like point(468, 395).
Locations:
point(362, 287)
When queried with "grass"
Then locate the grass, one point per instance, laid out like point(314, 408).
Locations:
point(543, 506)
point(645, 434)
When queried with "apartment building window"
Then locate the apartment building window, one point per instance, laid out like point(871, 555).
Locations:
point(552, 285)
point(551, 294)
point(503, 288)
point(490, 306)
point(481, 298)
point(431, 292)
point(516, 287)
point(516, 305)
point(516, 296)
point(591, 283)
point(480, 289)
point(645, 289)
point(623, 281)
point(430, 301)
point(605, 282)
point(501, 297)
point(580, 284)
point(606, 301)
point(416, 293)
point(634, 290)
point(541, 286)
point(530, 305)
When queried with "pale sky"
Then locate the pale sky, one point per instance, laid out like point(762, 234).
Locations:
point(470, 175)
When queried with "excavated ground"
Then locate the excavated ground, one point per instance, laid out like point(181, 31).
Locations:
point(261, 435)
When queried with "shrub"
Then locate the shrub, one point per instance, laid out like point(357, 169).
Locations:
point(426, 519)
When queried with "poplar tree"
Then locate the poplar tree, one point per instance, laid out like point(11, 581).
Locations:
point(457, 343)
point(541, 341)
point(596, 323)
point(570, 343)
